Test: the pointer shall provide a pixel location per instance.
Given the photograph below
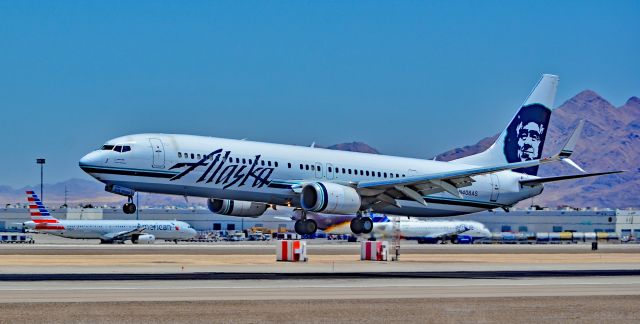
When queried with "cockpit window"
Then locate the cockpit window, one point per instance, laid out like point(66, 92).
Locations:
point(117, 148)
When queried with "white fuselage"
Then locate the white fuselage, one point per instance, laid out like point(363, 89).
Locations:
point(101, 229)
point(263, 172)
point(419, 229)
point(409, 228)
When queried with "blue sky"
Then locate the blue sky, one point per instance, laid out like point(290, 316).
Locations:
point(409, 78)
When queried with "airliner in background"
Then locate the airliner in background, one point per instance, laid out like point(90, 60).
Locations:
point(243, 178)
point(107, 231)
point(408, 228)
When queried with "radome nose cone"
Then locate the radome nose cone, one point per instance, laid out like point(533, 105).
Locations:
point(85, 160)
point(90, 159)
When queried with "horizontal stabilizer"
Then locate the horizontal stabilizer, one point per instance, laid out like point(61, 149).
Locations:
point(533, 182)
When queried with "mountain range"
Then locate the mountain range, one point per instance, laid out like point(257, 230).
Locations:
point(610, 141)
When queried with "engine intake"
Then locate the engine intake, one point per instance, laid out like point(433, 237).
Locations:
point(236, 207)
point(331, 198)
point(143, 239)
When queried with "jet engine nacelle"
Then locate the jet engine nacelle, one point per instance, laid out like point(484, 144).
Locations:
point(236, 207)
point(330, 198)
point(143, 239)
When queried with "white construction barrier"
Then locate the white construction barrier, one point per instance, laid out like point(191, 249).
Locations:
point(374, 250)
point(291, 250)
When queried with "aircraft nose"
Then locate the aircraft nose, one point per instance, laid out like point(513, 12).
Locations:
point(91, 159)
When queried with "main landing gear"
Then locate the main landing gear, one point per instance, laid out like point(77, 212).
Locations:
point(361, 225)
point(129, 207)
point(305, 226)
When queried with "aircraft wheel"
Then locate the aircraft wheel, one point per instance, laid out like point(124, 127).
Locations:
point(356, 225)
point(367, 225)
point(299, 227)
point(310, 226)
point(129, 208)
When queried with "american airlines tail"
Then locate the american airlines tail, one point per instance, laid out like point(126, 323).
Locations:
point(40, 214)
point(523, 139)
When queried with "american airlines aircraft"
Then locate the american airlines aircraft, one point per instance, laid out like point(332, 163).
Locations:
point(423, 231)
point(243, 178)
point(107, 231)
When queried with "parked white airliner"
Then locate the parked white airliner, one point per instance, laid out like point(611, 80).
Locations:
point(107, 231)
point(409, 228)
point(242, 178)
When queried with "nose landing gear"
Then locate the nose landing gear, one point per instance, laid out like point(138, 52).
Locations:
point(129, 207)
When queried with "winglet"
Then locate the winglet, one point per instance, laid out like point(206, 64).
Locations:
point(568, 147)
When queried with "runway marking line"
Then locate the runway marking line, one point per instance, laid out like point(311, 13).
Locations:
point(408, 285)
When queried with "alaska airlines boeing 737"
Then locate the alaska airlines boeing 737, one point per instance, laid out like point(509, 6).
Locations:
point(107, 231)
point(242, 178)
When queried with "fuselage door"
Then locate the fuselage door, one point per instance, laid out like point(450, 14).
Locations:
point(318, 170)
point(158, 152)
point(329, 171)
point(495, 187)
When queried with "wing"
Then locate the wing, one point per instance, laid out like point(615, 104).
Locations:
point(122, 235)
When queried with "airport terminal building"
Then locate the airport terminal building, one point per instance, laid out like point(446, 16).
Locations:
point(623, 222)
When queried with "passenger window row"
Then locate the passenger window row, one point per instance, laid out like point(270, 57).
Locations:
point(196, 156)
point(307, 167)
point(349, 171)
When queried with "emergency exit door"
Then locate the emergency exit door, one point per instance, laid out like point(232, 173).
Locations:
point(495, 187)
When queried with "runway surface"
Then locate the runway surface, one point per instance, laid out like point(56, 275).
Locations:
point(227, 282)
point(528, 300)
point(303, 289)
point(545, 309)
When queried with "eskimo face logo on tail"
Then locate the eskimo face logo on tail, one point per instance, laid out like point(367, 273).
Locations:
point(220, 169)
point(525, 135)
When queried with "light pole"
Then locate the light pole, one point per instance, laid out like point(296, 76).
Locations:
point(41, 162)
